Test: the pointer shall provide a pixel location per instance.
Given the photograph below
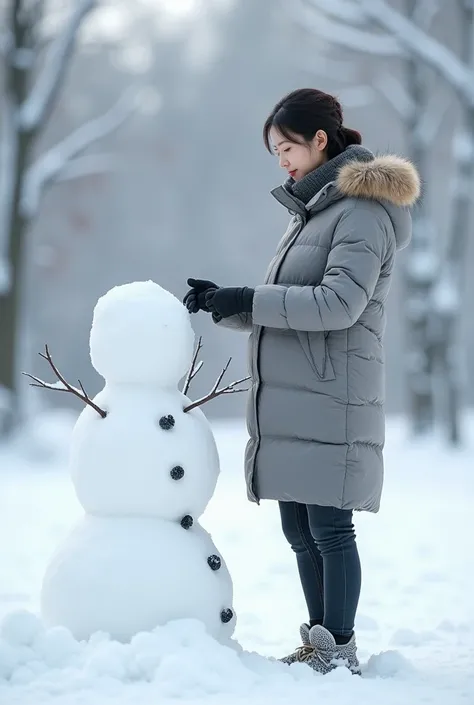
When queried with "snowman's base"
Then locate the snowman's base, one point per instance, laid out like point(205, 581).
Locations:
point(127, 575)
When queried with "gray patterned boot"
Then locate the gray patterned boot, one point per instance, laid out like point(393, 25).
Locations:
point(302, 652)
point(327, 655)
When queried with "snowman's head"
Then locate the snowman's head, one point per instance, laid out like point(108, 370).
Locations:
point(141, 334)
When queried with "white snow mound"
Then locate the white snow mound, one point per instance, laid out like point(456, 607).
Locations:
point(181, 661)
point(179, 658)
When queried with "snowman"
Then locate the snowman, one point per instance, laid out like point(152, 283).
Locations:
point(144, 465)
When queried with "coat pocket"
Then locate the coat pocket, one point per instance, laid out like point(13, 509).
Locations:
point(315, 348)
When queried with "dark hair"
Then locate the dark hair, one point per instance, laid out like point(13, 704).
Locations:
point(305, 111)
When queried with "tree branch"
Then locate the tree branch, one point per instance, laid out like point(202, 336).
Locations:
point(6, 42)
point(5, 275)
point(425, 11)
point(51, 165)
point(8, 156)
point(431, 119)
point(356, 96)
point(342, 10)
point(87, 165)
point(338, 33)
point(429, 50)
point(43, 94)
point(331, 69)
point(393, 90)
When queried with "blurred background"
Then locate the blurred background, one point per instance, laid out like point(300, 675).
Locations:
point(131, 149)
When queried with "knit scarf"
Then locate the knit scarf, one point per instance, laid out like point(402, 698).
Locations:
point(312, 183)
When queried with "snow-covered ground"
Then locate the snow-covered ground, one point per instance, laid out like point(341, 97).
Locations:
point(416, 619)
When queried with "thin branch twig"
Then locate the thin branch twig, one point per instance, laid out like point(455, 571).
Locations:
point(216, 392)
point(194, 369)
point(66, 387)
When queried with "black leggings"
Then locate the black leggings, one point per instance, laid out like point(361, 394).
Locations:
point(323, 539)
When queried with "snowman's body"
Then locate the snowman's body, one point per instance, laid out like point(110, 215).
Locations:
point(125, 463)
point(144, 475)
point(124, 576)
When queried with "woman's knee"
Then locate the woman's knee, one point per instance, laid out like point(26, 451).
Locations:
point(331, 528)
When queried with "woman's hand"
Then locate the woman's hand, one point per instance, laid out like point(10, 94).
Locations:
point(229, 300)
point(195, 299)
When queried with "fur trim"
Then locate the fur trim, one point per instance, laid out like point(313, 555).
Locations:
point(386, 178)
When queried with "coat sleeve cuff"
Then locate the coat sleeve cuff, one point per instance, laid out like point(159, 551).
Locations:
point(269, 306)
point(240, 322)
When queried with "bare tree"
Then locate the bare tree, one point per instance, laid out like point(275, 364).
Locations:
point(433, 282)
point(448, 291)
point(34, 75)
point(422, 110)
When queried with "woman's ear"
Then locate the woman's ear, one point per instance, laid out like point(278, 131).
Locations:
point(320, 140)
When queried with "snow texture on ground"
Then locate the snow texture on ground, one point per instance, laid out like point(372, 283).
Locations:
point(416, 619)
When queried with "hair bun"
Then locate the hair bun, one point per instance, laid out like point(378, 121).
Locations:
point(350, 136)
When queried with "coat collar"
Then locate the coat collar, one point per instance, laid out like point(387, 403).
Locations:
point(386, 178)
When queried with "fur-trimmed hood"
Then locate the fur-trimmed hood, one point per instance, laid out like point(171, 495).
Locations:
point(357, 173)
point(385, 178)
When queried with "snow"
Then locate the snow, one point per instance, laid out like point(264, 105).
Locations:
point(415, 626)
point(141, 333)
point(123, 576)
point(58, 385)
point(121, 464)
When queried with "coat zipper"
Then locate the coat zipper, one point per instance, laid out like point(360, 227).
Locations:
point(270, 279)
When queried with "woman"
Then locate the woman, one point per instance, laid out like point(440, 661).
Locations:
point(316, 408)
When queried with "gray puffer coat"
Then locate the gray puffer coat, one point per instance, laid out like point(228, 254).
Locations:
point(316, 406)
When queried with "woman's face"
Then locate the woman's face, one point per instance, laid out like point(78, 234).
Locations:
point(299, 158)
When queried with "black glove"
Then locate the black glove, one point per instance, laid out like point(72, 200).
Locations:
point(195, 299)
point(229, 300)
